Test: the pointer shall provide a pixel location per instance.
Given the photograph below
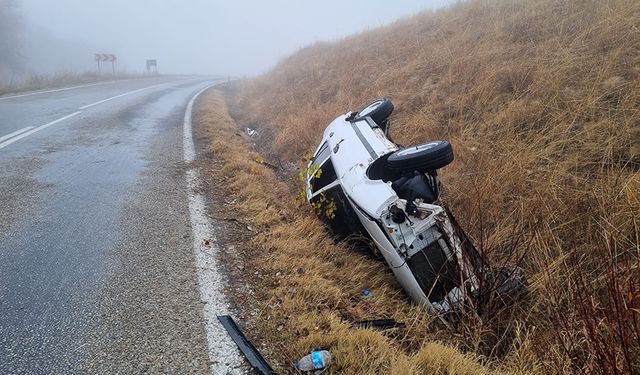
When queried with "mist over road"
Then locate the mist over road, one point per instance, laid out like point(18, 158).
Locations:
point(97, 266)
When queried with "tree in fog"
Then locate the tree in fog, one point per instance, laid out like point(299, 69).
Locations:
point(11, 32)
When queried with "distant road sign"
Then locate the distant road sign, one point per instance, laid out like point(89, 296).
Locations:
point(154, 64)
point(106, 57)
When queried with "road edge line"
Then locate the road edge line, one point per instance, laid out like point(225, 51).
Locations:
point(15, 133)
point(35, 130)
point(46, 91)
point(223, 353)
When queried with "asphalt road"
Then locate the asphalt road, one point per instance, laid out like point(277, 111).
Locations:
point(97, 269)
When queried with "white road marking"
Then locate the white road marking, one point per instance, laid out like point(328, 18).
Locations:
point(223, 353)
point(25, 132)
point(35, 130)
point(15, 133)
point(119, 96)
point(61, 89)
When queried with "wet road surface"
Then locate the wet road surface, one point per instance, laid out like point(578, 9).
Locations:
point(96, 258)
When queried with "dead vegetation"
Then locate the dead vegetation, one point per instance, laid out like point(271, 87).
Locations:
point(60, 79)
point(541, 102)
point(308, 289)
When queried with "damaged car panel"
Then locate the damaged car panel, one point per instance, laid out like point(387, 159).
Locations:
point(362, 181)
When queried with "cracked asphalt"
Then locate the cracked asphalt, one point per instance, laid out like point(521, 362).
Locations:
point(97, 270)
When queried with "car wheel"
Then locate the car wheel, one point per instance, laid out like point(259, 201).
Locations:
point(379, 111)
point(425, 157)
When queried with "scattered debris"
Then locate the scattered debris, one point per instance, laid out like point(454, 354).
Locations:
point(252, 354)
point(228, 219)
point(317, 361)
point(250, 132)
point(381, 324)
point(263, 161)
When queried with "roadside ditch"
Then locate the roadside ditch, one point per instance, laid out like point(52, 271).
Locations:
point(295, 289)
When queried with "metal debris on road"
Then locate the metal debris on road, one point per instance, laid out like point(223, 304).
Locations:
point(252, 354)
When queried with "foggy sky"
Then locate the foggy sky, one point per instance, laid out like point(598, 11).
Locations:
point(237, 37)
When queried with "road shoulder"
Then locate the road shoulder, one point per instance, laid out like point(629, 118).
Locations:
point(151, 312)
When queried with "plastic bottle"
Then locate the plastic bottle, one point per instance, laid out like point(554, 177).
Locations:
point(317, 360)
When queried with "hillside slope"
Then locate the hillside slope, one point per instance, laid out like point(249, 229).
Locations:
point(541, 102)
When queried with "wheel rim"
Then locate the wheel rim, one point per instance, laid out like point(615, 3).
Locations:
point(370, 108)
point(416, 149)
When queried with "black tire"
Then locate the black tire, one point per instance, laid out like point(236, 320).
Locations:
point(379, 111)
point(425, 157)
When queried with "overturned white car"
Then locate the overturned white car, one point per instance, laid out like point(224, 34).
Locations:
point(360, 181)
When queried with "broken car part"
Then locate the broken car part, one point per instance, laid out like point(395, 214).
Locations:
point(246, 347)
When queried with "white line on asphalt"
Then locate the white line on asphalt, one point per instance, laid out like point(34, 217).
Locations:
point(25, 132)
point(61, 89)
point(15, 133)
point(119, 96)
point(35, 130)
point(223, 353)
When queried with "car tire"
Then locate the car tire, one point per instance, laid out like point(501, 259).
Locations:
point(425, 157)
point(379, 111)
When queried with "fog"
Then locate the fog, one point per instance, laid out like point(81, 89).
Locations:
point(238, 38)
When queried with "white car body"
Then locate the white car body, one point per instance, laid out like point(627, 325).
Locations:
point(412, 249)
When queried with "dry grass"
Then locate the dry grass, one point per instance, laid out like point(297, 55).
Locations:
point(309, 289)
point(541, 101)
point(61, 79)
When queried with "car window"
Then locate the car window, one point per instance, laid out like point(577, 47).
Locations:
point(325, 175)
point(323, 153)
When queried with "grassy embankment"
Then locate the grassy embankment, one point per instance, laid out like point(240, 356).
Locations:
point(307, 289)
point(541, 101)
